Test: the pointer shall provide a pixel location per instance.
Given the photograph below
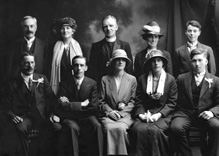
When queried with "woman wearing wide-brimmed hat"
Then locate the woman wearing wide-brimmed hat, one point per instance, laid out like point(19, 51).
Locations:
point(156, 97)
point(63, 51)
point(151, 34)
point(117, 93)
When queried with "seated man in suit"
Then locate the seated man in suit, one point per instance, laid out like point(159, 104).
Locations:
point(181, 56)
point(198, 103)
point(77, 108)
point(27, 102)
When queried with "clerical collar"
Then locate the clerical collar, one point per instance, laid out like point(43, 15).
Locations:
point(27, 77)
point(30, 40)
point(113, 39)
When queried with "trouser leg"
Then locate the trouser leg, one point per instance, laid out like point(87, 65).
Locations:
point(179, 126)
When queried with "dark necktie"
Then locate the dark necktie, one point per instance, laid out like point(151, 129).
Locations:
point(30, 84)
point(78, 85)
point(67, 52)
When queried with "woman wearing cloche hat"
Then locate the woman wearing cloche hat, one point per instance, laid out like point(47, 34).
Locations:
point(117, 93)
point(63, 51)
point(156, 97)
point(151, 34)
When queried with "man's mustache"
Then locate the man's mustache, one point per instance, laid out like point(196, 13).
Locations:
point(29, 32)
point(29, 68)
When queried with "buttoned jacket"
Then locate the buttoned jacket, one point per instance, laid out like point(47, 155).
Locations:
point(208, 98)
point(18, 100)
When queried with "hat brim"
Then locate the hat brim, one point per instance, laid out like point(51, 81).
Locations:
point(145, 34)
point(147, 63)
point(128, 61)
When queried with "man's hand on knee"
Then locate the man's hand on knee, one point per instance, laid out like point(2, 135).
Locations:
point(206, 115)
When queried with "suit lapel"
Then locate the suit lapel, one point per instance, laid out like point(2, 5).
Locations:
point(205, 84)
point(185, 54)
point(188, 82)
point(73, 87)
point(83, 88)
point(21, 84)
point(143, 59)
point(199, 45)
point(113, 89)
point(116, 45)
point(24, 89)
point(36, 46)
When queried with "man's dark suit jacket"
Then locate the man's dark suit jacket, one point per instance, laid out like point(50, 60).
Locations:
point(100, 55)
point(18, 100)
point(15, 50)
point(182, 60)
point(140, 59)
point(208, 99)
point(73, 109)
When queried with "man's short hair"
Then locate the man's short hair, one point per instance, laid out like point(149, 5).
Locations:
point(194, 24)
point(23, 55)
point(28, 17)
point(79, 57)
point(107, 17)
point(199, 51)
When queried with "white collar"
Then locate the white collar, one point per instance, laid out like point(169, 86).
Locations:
point(26, 77)
point(30, 40)
point(113, 39)
point(200, 74)
point(192, 44)
point(79, 81)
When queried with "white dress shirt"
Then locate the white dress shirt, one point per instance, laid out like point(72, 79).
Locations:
point(199, 77)
point(29, 42)
point(79, 82)
point(192, 46)
point(27, 78)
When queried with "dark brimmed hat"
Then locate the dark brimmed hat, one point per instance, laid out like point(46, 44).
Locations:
point(154, 54)
point(119, 53)
point(151, 28)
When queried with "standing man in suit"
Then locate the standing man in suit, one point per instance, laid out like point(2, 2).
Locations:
point(152, 36)
point(77, 108)
point(198, 103)
point(27, 101)
point(28, 43)
point(101, 52)
point(181, 59)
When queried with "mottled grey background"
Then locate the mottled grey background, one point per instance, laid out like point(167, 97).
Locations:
point(131, 14)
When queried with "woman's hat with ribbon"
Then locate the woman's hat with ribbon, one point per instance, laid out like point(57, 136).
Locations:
point(151, 28)
point(119, 53)
point(154, 54)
